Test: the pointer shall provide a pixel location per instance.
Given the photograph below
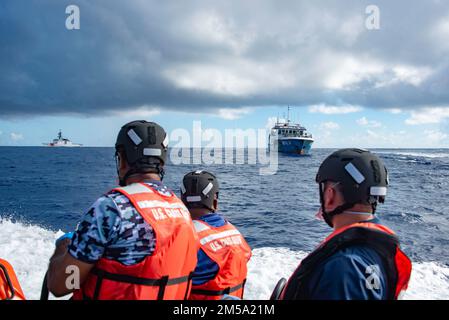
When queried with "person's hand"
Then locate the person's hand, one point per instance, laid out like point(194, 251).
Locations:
point(65, 236)
point(63, 242)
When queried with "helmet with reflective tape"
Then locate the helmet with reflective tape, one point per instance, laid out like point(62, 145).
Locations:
point(199, 190)
point(361, 175)
point(145, 146)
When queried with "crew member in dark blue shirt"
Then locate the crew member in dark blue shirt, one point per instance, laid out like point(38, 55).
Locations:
point(353, 273)
point(361, 259)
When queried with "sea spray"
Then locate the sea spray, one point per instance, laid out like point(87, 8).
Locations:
point(28, 248)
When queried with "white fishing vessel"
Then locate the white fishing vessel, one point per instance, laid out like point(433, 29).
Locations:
point(290, 137)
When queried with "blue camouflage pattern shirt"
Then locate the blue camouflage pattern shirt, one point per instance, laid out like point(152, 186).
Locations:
point(113, 229)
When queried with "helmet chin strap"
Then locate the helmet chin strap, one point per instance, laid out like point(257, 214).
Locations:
point(327, 216)
point(161, 173)
point(339, 210)
point(122, 180)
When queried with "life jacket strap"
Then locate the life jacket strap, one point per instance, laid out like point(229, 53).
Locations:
point(162, 283)
point(228, 290)
point(189, 284)
point(8, 282)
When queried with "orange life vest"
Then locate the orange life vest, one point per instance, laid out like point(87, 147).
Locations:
point(9, 285)
point(397, 265)
point(167, 273)
point(228, 249)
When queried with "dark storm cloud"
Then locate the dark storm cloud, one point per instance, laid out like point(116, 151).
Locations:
point(198, 55)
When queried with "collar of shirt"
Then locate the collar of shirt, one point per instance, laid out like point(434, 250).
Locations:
point(213, 219)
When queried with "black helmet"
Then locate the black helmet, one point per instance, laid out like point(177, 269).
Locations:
point(145, 147)
point(361, 174)
point(198, 190)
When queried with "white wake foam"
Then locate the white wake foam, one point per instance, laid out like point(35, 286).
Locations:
point(28, 248)
point(266, 267)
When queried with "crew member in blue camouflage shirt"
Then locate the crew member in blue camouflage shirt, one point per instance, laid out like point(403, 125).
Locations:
point(117, 234)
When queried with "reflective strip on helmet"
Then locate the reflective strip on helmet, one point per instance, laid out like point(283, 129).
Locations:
point(199, 226)
point(198, 171)
point(136, 188)
point(152, 152)
point(165, 142)
point(355, 173)
point(208, 188)
point(134, 137)
point(193, 199)
point(378, 191)
point(220, 235)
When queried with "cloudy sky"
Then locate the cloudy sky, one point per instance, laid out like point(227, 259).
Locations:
point(229, 64)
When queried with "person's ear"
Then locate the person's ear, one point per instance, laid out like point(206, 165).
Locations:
point(122, 162)
point(329, 197)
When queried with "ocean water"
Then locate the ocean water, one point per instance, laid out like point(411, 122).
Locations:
point(44, 192)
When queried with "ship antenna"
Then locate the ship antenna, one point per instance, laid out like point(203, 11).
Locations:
point(288, 114)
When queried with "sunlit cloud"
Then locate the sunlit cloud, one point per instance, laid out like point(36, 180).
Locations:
point(15, 137)
point(330, 125)
point(139, 113)
point(393, 110)
point(435, 137)
point(428, 116)
point(326, 109)
point(233, 114)
point(368, 123)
